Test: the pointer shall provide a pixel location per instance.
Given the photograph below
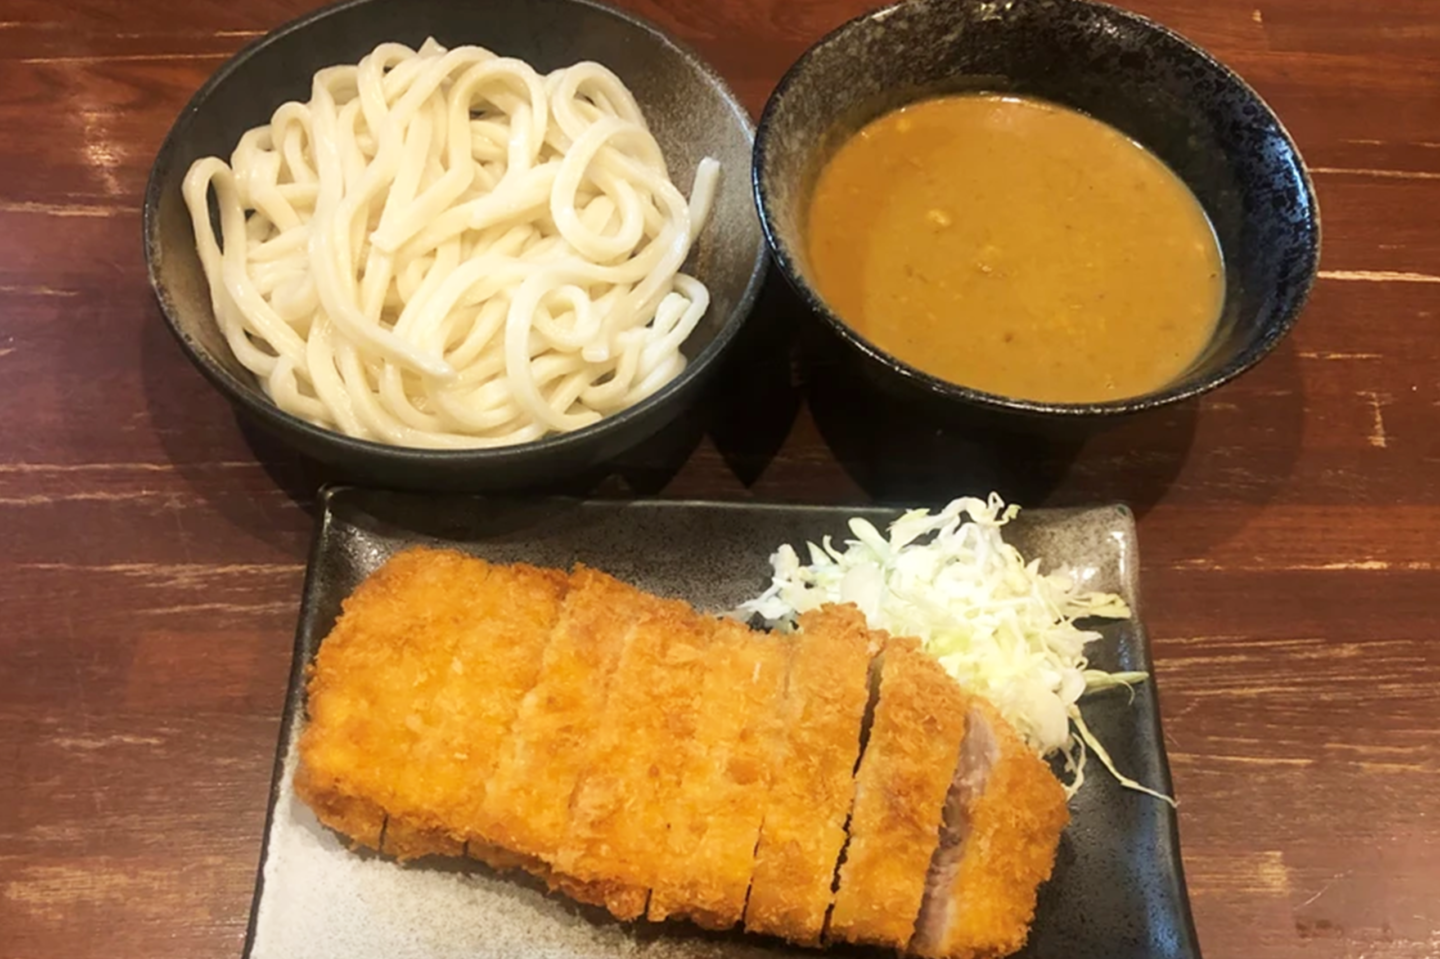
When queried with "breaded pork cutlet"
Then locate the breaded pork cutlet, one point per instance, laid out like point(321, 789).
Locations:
point(374, 671)
point(708, 854)
point(635, 753)
point(415, 689)
point(804, 827)
point(620, 807)
point(527, 801)
point(1003, 819)
point(909, 762)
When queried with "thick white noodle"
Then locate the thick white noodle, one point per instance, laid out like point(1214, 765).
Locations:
point(445, 249)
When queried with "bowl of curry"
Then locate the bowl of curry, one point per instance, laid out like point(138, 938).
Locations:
point(1045, 207)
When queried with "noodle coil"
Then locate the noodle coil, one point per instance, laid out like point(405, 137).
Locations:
point(446, 249)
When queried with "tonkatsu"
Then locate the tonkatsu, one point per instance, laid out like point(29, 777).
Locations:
point(833, 784)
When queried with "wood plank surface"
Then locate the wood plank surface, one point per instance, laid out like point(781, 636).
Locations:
point(152, 547)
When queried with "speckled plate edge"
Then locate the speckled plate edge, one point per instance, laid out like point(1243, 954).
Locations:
point(1163, 927)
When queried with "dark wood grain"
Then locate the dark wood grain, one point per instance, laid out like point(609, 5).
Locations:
point(152, 550)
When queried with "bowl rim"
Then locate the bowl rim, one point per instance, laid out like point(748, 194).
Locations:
point(785, 260)
point(254, 400)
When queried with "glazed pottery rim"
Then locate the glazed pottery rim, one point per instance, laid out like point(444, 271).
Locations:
point(1244, 360)
point(252, 397)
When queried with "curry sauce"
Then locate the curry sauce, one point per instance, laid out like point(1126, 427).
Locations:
point(1017, 247)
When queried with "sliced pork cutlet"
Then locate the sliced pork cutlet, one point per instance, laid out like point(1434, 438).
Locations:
point(527, 801)
point(620, 810)
point(503, 631)
point(1003, 818)
point(708, 855)
point(905, 774)
point(814, 783)
point(377, 663)
point(413, 693)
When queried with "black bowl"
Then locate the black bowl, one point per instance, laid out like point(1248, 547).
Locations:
point(1197, 116)
point(689, 108)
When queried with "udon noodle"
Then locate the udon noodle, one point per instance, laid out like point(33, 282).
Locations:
point(446, 249)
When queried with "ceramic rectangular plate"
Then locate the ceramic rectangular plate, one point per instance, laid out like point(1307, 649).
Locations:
point(1117, 891)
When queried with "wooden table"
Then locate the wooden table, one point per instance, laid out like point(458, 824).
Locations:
point(151, 552)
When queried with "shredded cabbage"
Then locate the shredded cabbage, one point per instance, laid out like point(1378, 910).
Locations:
point(1000, 626)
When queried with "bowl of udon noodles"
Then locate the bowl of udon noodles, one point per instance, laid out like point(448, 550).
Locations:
point(444, 245)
